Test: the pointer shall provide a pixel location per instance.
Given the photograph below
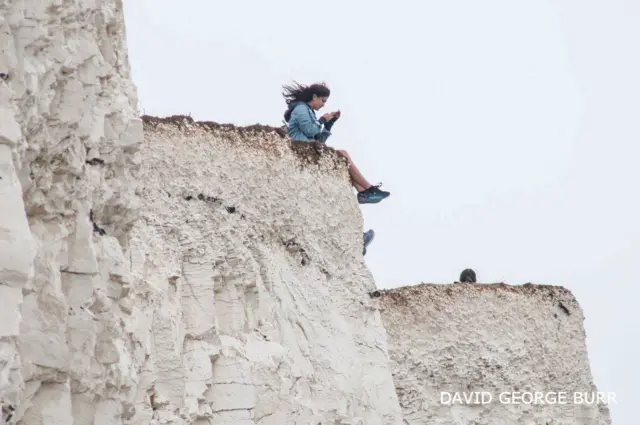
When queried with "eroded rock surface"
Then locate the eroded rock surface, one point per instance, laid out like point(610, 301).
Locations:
point(466, 338)
point(237, 298)
point(248, 267)
point(69, 135)
point(208, 274)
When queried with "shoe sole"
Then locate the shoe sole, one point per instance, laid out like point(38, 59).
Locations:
point(374, 201)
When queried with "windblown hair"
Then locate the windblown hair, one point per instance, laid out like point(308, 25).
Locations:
point(299, 93)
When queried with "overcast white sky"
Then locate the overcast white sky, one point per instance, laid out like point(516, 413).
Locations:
point(507, 132)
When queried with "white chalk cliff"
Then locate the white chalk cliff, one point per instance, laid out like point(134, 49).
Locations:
point(162, 271)
point(504, 343)
point(253, 289)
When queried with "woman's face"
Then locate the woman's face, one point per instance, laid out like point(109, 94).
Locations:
point(317, 102)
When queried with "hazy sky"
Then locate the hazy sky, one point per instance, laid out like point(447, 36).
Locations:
point(507, 132)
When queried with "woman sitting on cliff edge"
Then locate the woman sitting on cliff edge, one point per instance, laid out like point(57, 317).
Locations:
point(303, 126)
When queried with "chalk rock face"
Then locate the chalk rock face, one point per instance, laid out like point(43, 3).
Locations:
point(495, 344)
point(206, 274)
point(69, 136)
point(238, 296)
point(248, 271)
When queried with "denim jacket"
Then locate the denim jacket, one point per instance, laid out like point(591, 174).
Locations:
point(304, 126)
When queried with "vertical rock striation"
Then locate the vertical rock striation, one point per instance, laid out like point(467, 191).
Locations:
point(69, 134)
point(251, 253)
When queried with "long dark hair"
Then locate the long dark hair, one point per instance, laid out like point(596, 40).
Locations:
point(299, 93)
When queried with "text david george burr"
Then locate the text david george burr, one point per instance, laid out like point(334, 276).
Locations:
point(524, 397)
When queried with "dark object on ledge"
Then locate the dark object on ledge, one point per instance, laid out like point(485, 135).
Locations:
point(468, 276)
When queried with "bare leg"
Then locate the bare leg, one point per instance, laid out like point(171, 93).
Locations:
point(358, 180)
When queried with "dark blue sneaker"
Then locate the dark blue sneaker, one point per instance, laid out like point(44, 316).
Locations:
point(373, 195)
point(368, 237)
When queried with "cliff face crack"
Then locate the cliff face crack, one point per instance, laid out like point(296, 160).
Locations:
point(232, 382)
point(263, 417)
point(96, 229)
point(95, 161)
point(77, 273)
point(7, 412)
point(238, 409)
point(564, 308)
